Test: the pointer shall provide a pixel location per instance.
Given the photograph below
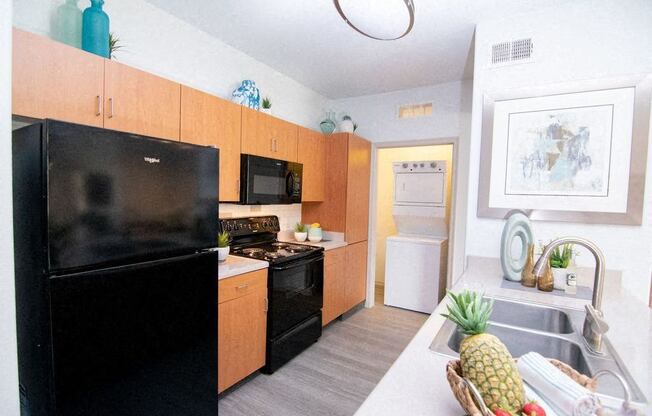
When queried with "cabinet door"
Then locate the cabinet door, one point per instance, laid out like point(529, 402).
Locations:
point(356, 277)
point(53, 80)
point(357, 190)
point(311, 152)
point(256, 139)
point(211, 121)
point(141, 103)
point(284, 137)
point(268, 136)
point(334, 284)
point(241, 337)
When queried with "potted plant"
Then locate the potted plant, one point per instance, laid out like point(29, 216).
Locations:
point(560, 259)
point(223, 248)
point(347, 125)
point(267, 106)
point(300, 232)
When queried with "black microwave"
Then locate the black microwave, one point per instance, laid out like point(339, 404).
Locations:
point(269, 181)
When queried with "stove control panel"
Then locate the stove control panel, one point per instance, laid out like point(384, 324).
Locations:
point(250, 225)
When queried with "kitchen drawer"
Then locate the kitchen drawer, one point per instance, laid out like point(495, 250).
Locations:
point(335, 256)
point(241, 285)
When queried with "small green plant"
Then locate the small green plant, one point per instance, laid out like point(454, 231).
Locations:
point(561, 256)
point(114, 45)
point(300, 228)
point(267, 103)
point(347, 118)
point(223, 239)
point(355, 127)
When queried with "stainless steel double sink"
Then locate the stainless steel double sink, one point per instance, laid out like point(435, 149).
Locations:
point(553, 333)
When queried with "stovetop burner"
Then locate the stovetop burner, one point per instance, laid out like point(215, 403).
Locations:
point(255, 237)
point(275, 251)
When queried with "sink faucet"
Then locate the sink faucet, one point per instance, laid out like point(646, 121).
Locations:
point(594, 324)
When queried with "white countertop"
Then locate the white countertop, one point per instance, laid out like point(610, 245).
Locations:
point(416, 383)
point(331, 240)
point(234, 265)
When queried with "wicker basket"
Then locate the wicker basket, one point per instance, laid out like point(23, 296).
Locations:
point(465, 396)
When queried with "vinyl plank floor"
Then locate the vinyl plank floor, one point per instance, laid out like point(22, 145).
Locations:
point(335, 375)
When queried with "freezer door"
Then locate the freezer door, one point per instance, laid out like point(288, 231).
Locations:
point(114, 197)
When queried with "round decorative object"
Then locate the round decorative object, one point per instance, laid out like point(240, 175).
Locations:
point(379, 20)
point(327, 126)
point(346, 125)
point(95, 29)
point(247, 94)
point(518, 226)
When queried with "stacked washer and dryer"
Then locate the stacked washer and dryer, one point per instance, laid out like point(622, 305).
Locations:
point(416, 258)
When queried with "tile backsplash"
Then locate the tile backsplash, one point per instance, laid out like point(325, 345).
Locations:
point(288, 215)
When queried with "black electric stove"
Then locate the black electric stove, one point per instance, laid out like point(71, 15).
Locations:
point(294, 284)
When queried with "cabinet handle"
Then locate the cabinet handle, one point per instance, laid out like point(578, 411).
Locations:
point(275, 145)
point(110, 107)
point(271, 143)
point(237, 187)
point(241, 287)
point(98, 106)
point(266, 304)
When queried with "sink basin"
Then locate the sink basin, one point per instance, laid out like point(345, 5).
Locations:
point(553, 333)
point(531, 316)
point(520, 342)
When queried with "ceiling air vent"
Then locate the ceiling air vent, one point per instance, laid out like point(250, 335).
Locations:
point(513, 52)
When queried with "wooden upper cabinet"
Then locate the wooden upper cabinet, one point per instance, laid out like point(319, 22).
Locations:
point(356, 277)
point(53, 80)
point(311, 152)
point(267, 136)
point(357, 190)
point(346, 205)
point(139, 102)
point(211, 121)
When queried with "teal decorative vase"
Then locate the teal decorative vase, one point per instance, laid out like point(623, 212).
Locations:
point(68, 24)
point(95, 29)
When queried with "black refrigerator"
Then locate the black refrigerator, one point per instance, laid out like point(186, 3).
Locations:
point(116, 273)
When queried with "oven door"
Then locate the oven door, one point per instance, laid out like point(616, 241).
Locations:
point(295, 293)
point(269, 181)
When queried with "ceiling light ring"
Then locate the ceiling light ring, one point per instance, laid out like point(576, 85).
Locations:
point(408, 3)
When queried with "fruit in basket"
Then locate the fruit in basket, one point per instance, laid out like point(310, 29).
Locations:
point(485, 360)
point(501, 412)
point(533, 409)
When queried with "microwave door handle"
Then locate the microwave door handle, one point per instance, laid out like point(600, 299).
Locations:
point(289, 184)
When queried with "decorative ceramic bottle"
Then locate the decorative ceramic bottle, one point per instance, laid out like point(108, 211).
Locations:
point(546, 281)
point(527, 277)
point(68, 24)
point(95, 29)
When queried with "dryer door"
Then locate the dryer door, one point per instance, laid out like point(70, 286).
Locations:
point(427, 188)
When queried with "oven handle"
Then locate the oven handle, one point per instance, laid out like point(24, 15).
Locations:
point(292, 266)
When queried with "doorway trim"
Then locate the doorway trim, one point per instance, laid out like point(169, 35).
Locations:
point(373, 205)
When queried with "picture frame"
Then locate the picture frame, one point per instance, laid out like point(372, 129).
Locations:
point(574, 152)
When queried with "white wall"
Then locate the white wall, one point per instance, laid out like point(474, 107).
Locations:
point(377, 115)
point(160, 43)
point(576, 41)
point(8, 363)
point(377, 119)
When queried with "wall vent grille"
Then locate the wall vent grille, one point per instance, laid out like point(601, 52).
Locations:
point(512, 52)
point(415, 110)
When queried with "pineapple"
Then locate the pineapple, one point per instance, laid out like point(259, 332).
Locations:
point(485, 360)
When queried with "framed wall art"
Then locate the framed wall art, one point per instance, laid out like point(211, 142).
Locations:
point(574, 152)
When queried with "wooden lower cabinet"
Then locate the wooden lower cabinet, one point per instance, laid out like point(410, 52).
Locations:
point(334, 284)
point(241, 328)
point(356, 276)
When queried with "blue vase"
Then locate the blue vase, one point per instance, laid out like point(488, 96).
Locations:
point(95, 29)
